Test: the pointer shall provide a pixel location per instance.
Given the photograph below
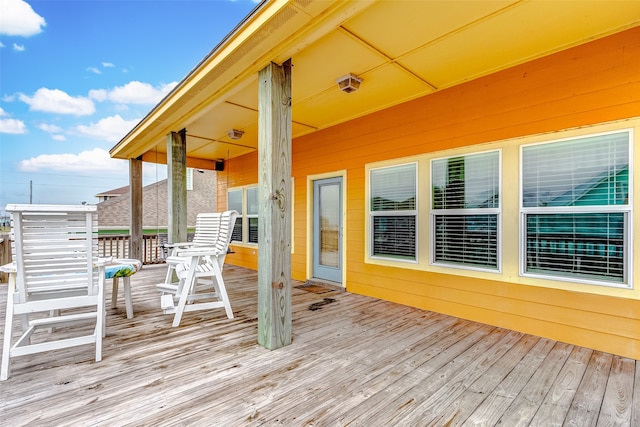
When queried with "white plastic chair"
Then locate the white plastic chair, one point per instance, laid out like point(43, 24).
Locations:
point(56, 272)
point(206, 234)
point(199, 285)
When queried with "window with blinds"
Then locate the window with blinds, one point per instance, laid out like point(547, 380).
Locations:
point(392, 210)
point(234, 202)
point(575, 208)
point(252, 214)
point(465, 210)
point(245, 201)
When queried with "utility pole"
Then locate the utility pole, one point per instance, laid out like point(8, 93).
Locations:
point(30, 192)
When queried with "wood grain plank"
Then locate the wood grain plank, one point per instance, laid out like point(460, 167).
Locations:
point(616, 404)
point(355, 361)
point(588, 399)
point(524, 407)
point(468, 402)
point(558, 400)
point(403, 394)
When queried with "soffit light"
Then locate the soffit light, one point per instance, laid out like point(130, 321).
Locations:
point(235, 134)
point(349, 83)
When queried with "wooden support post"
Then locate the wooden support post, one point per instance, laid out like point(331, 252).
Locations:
point(274, 206)
point(177, 186)
point(135, 210)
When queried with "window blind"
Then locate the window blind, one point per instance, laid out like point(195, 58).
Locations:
point(586, 245)
point(465, 210)
point(467, 239)
point(393, 188)
point(575, 204)
point(234, 202)
point(591, 171)
point(393, 211)
point(252, 214)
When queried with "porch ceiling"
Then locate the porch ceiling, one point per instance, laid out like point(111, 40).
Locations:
point(401, 49)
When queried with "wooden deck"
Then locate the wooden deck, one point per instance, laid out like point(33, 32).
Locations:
point(354, 361)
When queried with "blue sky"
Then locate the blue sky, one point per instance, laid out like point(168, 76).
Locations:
point(76, 76)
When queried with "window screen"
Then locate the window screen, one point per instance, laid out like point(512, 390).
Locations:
point(465, 210)
point(575, 205)
point(393, 212)
point(234, 202)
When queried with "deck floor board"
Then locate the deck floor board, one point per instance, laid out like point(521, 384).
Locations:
point(354, 361)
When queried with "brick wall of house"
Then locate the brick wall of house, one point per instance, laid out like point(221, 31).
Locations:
point(114, 213)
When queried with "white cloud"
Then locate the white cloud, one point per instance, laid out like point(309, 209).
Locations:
point(12, 126)
point(57, 101)
point(134, 92)
point(94, 70)
point(111, 129)
point(98, 94)
point(96, 160)
point(17, 18)
point(18, 47)
point(1, 45)
point(108, 65)
point(55, 131)
point(50, 128)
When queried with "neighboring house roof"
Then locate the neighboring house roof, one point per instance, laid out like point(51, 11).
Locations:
point(401, 51)
point(586, 184)
point(115, 192)
point(114, 212)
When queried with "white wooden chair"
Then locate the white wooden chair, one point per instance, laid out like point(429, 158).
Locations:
point(199, 284)
point(206, 234)
point(55, 272)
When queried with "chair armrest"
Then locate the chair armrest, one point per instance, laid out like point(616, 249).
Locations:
point(9, 268)
point(199, 251)
point(178, 245)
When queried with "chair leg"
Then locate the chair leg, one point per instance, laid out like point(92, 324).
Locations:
point(222, 290)
point(114, 293)
point(8, 331)
point(189, 283)
point(127, 297)
point(101, 315)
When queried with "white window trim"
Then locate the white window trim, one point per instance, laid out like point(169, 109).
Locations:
point(242, 215)
point(477, 211)
point(627, 210)
point(247, 215)
point(371, 214)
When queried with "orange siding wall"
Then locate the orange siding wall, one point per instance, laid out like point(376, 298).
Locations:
point(590, 84)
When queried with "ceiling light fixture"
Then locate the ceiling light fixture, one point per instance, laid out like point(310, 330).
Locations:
point(235, 134)
point(349, 83)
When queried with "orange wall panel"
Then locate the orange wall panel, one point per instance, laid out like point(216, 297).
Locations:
point(590, 84)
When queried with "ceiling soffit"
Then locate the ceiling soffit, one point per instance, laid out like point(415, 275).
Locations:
point(401, 50)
